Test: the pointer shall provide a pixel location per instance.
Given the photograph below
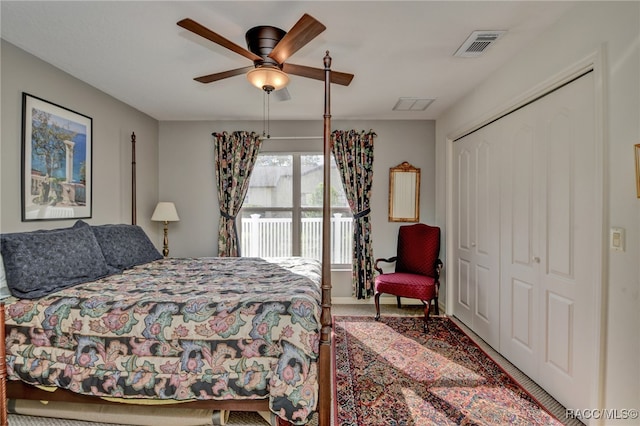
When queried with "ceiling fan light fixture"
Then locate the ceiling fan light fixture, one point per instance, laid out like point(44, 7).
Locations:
point(268, 78)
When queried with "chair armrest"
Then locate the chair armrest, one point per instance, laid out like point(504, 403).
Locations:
point(437, 278)
point(439, 265)
point(389, 260)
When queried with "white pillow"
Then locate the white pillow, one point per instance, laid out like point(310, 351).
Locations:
point(4, 289)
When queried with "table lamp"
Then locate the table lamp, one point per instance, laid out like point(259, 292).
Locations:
point(165, 212)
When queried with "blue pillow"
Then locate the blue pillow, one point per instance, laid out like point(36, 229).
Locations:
point(4, 288)
point(125, 246)
point(42, 262)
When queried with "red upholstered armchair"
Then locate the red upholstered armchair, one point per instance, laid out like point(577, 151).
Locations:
point(417, 269)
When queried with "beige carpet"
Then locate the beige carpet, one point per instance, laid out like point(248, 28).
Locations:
point(235, 419)
point(253, 419)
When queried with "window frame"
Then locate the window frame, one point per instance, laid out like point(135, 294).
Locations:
point(305, 147)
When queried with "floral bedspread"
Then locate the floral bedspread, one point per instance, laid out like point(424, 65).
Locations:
point(181, 329)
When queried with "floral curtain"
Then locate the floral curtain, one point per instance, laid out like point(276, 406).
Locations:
point(234, 154)
point(353, 152)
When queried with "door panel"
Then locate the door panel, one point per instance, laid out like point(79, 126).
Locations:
point(464, 285)
point(521, 315)
point(519, 292)
point(520, 306)
point(462, 231)
point(476, 210)
point(520, 173)
point(484, 293)
point(559, 190)
point(485, 243)
point(568, 278)
point(464, 199)
point(548, 233)
point(559, 337)
point(483, 198)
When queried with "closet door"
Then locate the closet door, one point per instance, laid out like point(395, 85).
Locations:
point(476, 235)
point(568, 220)
point(548, 233)
point(520, 240)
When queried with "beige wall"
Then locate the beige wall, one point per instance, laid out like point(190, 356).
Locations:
point(187, 177)
point(179, 166)
point(113, 123)
point(613, 30)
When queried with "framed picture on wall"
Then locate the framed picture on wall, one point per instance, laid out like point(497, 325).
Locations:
point(56, 161)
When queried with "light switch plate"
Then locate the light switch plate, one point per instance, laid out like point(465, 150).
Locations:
point(617, 239)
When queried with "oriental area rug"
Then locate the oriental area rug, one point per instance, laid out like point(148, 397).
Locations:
point(393, 373)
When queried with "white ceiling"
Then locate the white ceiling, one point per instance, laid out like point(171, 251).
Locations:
point(135, 52)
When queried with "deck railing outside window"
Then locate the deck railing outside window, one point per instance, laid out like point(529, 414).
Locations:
point(271, 237)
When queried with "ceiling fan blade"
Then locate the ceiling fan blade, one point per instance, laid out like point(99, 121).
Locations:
point(202, 31)
point(306, 29)
point(225, 74)
point(341, 78)
point(282, 95)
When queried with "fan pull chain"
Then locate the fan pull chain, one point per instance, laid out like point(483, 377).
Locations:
point(264, 119)
point(266, 110)
point(268, 114)
point(266, 91)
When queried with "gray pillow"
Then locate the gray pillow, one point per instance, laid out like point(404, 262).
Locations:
point(125, 246)
point(42, 262)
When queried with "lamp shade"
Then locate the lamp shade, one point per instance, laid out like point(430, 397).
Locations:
point(268, 78)
point(165, 212)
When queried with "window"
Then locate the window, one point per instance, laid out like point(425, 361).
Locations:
point(282, 212)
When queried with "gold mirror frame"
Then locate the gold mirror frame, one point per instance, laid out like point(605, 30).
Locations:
point(404, 193)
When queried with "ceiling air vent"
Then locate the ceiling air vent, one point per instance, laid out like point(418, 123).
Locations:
point(477, 43)
point(412, 104)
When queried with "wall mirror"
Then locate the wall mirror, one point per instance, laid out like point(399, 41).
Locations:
point(637, 146)
point(404, 193)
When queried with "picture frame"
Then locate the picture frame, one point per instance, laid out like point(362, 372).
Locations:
point(57, 166)
point(404, 193)
point(637, 155)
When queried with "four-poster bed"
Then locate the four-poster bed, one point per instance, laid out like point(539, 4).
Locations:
point(315, 367)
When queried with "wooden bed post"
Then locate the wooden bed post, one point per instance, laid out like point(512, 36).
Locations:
point(3, 370)
point(133, 179)
point(325, 394)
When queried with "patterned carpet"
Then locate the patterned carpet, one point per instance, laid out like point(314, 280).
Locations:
point(392, 373)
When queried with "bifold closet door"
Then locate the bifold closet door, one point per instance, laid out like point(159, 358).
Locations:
point(525, 233)
point(476, 234)
point(520, 319)
point(549, 229)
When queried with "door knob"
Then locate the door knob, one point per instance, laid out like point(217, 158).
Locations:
point(536, 259)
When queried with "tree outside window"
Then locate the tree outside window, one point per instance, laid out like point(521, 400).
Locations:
point(282, 212)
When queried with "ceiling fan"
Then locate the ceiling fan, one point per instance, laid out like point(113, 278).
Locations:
point(269, 47)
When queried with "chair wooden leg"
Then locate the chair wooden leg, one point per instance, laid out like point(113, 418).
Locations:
point(398, 299)
point(376, 299)
point(437, 306)
point(427, 308)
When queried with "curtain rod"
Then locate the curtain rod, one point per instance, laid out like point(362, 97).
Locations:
point(290, 137)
